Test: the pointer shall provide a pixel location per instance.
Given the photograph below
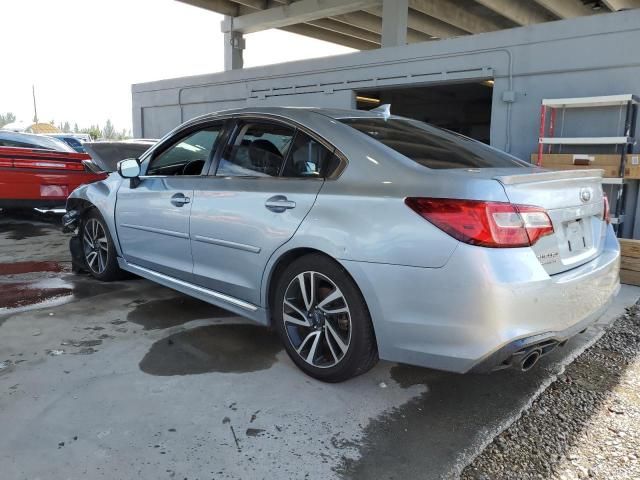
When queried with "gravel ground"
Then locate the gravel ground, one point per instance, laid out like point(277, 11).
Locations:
point(585, 425)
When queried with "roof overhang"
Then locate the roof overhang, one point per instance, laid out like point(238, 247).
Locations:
point(359, 23)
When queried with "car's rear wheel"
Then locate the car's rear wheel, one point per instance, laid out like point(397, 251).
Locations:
point(323, 320)
point(98, 249)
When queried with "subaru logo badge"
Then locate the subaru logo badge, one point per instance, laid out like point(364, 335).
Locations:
point(585, 195)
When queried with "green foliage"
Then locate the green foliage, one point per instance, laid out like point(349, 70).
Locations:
point(6, 118)
point(108, 132)
point(93, 130)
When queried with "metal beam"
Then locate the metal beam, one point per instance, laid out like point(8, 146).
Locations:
point(328, 36)
point(566, 8)
point(363, 20)
point(298, 12)
point(424, 23)
point(522, 13)
point(350, 30)
point(255, 4)
point(452, 13)
point(615, 5)
point(395, 14)
point(373, 24)
point(224, 7)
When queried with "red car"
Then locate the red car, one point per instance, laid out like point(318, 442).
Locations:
point(41, 177)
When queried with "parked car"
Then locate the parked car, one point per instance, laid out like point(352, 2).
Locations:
point(107, 153)
point(32, 140)
point(74, 140)
point(357, 236)
point(40, 172)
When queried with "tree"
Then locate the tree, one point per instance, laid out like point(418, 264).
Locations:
point(75, 128)
point(6, 118)
point(66, 128)
point(93, 130)
point(109, 131)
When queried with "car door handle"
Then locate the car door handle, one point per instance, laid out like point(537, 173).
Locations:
point(179, 200)
point(279, 203)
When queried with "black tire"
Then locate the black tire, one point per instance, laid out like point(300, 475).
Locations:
point(361, 352)
point(108, 270)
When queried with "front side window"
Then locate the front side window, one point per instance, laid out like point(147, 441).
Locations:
point(432, 147)
point(188, 156)
point(309, 158)
point(259, 150)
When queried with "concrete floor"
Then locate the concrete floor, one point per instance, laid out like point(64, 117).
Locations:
point(131, 379)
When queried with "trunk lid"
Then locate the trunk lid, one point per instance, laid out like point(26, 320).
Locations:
point(574, 201)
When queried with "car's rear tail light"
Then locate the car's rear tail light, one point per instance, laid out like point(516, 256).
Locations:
point(42, 164)
point(486, 224)
point(606, 212)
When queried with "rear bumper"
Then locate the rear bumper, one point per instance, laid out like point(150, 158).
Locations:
point(512, 354)
point(483, 306)
point(4, 203)
point(34, 188)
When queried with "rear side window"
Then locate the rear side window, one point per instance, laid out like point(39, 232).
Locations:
point(432, 147)
point(308, 158)
point(259, 150)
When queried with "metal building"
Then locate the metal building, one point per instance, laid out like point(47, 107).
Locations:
point(479, 67)
point(487, 82)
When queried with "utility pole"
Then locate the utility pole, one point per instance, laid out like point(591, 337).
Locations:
point(35, 109)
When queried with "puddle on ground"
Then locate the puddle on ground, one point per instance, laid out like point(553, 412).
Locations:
point(214, 348)
point(18, 268)
point(441, 426)
point(22, 231)
point(16, 296)
point(24, 294)
point(408, 375)
point(86, 286)
point(169, 312)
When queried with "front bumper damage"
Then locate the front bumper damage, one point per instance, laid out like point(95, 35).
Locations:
point(70, 221)
point(71, 224)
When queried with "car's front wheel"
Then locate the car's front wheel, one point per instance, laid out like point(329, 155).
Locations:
point(98, 249)
point(323, 320)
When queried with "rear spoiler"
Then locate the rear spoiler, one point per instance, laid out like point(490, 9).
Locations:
point(594, 173)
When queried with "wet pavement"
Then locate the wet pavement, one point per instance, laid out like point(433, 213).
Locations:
point(213, 348)
point(132, 379)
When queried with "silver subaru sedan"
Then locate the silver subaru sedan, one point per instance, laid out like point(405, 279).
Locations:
point(357, 236)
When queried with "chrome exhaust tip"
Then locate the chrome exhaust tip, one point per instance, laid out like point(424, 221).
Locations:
point(530, 360)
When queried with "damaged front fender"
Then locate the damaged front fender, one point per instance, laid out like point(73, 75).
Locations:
point(70, 221)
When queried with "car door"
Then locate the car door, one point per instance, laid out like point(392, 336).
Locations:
point(248, 208)
point(152, 215)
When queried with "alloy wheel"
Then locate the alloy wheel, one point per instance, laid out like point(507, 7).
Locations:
point(317, 319)
point(96, 245)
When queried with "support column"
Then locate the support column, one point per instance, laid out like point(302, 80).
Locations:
point(233, 46)
point(395, 15)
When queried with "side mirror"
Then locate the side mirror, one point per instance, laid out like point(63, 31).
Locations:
point(129, 168)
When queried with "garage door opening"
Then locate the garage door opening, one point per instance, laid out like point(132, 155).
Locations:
point(462, 107)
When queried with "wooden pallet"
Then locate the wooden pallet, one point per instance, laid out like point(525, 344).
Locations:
point(630, 265)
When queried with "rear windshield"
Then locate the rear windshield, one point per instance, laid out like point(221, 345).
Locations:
point(431, 146)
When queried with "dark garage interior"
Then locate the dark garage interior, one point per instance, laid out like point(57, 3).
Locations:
point(462, 107)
